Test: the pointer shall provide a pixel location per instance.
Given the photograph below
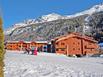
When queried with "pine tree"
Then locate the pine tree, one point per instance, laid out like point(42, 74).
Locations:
point(1, 49)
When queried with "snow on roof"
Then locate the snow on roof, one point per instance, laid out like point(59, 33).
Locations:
point(12, 41)
point(41, 41)
point(27, 41)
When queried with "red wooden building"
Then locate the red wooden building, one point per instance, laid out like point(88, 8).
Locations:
point(75, 44)
point(21, 45)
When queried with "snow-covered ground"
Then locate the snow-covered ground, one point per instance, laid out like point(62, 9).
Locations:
point(51, 65)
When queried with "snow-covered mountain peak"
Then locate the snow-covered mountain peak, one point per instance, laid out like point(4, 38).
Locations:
point(51, 17)
point(94, 9)
point(19, 24)
point(99, 7)
point(15, 26)
point(52, 14)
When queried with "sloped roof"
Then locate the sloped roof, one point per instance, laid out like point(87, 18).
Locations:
point(78, 35)
point(12, 41)
point(41, 41)
point(27, 41)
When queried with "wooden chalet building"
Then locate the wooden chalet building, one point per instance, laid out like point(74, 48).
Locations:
point(21, 45)
point(75, 44)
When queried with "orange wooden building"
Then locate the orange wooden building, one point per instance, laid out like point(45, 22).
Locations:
point(15, 45)
point(75, 44)
point(21, 45)
point(11, 45)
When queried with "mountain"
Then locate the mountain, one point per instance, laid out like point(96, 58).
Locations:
point(49, 26)
point(42, 19)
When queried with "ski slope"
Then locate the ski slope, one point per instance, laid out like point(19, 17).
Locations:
point(51, 65)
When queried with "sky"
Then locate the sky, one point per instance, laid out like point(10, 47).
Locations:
point(15, 11)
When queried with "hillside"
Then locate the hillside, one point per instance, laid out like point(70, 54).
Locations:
point(47, 27)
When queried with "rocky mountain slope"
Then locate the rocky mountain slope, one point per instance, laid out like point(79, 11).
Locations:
point(47, 27)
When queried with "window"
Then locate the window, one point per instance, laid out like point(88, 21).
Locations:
point(85, 47)
point(78, 48)
point(44, 47)
point(73, 48)
point(62, 43)
point(57, 49)
point(90, 44)
point(56, 43)
point(62, 49)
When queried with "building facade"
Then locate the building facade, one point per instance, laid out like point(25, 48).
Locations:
point(75, 44)
point(22, 45)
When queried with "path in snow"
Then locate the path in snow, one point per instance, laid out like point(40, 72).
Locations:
point(51, 65)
